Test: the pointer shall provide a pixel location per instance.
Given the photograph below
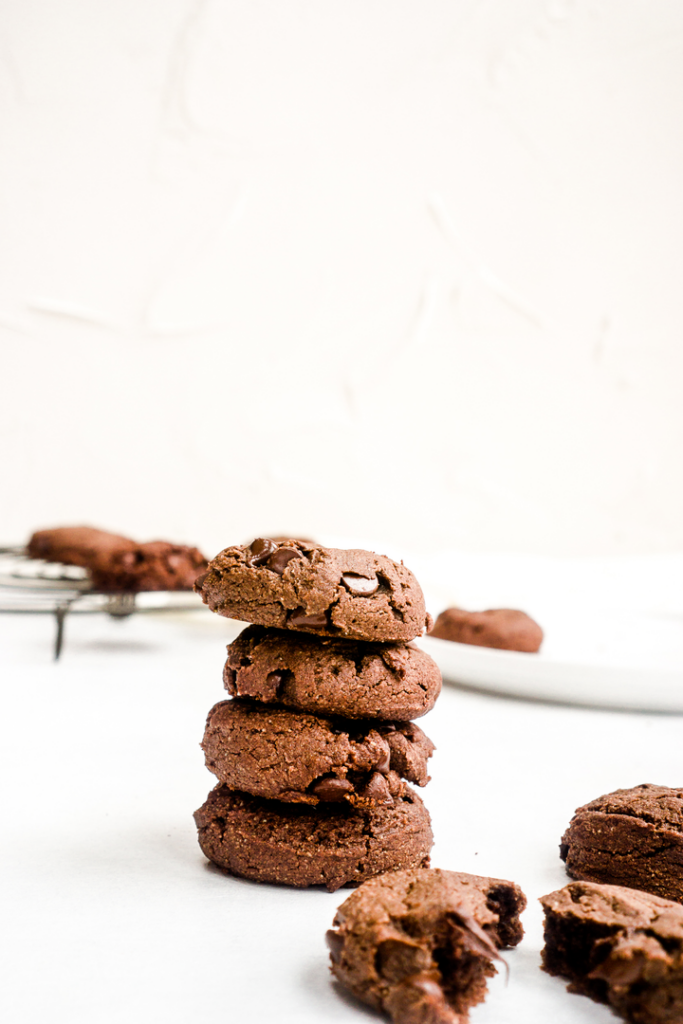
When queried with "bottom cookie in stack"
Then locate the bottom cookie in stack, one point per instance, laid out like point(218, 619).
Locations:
point(312, 800)
point(299, 845)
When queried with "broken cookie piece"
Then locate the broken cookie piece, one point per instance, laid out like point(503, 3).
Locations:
point(305, 587)
point(419, 944)
point(300, 758)
point(618, 946)
point(330, 676)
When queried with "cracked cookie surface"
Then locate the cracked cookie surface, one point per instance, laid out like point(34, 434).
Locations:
point(302, 758)
point(312, 589)
point(297, 845)
point(419, 944)
point(632, 837)
point(617, 946)
point(351, 678)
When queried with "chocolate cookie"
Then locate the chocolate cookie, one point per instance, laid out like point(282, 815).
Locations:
point(504, 628)
point(329, 845)
point(299, 758)
point(157, 565)
point(352, 678)
point(118, 563)
point(76, 545)
point(618, 946)
point(419, 944)
point(305, 587)
point(632, 837)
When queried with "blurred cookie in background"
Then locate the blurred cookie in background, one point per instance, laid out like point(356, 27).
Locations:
point(505, 628)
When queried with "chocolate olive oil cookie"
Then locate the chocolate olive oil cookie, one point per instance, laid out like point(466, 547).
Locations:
point(300, 758)
point(419, 945)
point(316, 748)
point(312, 589)
point(292, 844)
point(331, 676)
point(632, 837)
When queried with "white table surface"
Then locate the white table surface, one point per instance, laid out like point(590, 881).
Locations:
point(111, 913)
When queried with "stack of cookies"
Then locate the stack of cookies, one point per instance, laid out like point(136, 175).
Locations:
point(315, 749)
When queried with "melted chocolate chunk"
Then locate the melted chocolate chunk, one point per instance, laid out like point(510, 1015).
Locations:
point(384, 763)
point(359, 585)
point(377, 789)
point(331, 790)
point(260, 551)
point(280, 559)
point(300, 618)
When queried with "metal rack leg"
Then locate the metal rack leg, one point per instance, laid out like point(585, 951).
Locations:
point(60, 614)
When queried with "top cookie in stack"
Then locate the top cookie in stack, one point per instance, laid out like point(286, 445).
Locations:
point(313, 749)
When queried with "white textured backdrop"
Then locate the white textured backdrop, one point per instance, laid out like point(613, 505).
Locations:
point(408, 271)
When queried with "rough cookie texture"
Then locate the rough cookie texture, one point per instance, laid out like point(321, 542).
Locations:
point(352, 678)
point(618, 946)
point(76, 545)
point(329, 845)
point(301, 758)
point(419, 944)
point(632, 837)
point(312, 589)
point(504, 628)
point(118, 563)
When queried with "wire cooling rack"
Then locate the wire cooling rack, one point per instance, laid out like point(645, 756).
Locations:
point(49, 588)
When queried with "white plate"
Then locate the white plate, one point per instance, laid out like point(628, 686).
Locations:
point(619, 661)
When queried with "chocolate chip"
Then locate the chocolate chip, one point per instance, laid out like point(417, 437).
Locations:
point(473, 935)
point(261, 550)
point(384, 763)
point(335, 944)
point(620, 971)
point(280, 559)
point(331, 790)
point(377, 789)
point(273, 683)
point(359, 585)
point(300, 618)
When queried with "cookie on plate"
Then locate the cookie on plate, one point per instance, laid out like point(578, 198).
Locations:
point(632, 837)
point(419, 944)
point(312, 589)
point(504, 628)
point(351, 678)
point(618, 946)
point(301, 758)
point(293, 844)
